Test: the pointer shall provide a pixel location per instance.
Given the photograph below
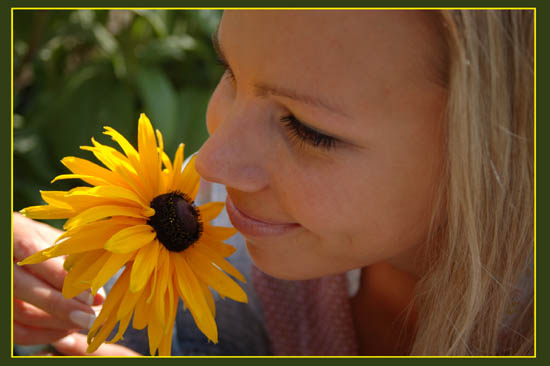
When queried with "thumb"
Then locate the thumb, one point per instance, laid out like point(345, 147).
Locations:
point(75, 344)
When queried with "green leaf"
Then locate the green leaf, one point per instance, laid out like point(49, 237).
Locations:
point(159, 102)
point(192, 104)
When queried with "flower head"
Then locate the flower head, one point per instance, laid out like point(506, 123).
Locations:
point(139, 214)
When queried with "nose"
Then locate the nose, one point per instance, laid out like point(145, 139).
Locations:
point(235, 154)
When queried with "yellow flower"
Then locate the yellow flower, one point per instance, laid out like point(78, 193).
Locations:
point(140, 214)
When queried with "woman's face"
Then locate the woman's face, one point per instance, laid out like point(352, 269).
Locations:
point(326, 131)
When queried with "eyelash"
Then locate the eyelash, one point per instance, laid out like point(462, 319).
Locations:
point(227, 70)
point(297, 129)
point(307, 135)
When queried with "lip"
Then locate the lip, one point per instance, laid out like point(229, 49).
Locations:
point(253, 227)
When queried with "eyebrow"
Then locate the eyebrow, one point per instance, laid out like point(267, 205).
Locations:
point(263, 89)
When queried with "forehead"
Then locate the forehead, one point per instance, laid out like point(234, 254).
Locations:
point(363, 51)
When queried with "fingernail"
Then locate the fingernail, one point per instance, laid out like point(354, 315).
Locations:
point(68, 341)
point(101, 292)
point(86, 297)
point(82, 319)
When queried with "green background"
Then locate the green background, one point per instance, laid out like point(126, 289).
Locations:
point(76, 71)
point(543, 22)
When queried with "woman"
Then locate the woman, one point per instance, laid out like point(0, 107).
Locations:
point(392, 145)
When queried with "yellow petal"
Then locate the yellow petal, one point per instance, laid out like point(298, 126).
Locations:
point(128, 303)
point(165, 346)
point(145, 262)
point(176, 170)
point(128, 149)
point(55, 198)
point(122, 326)
point(112, 266)
point(188, 181)
point(191, 292)
point(46, 212)
point(87, 237)
point(218, 233)
point(95, 172)
point(92, 271)
point(209, 298)
point(102, 335)
point(130, 239)
point(149, 157)
point(211, 210)
point(101, 212)
point(111, 192)
point(120, 165)
point(225, 250)
point(141, 314)
point(219, 261)
point(216, 279)
point(71, 260)
point(87, 178)
point(37, 257)
point(109, 156)
point(112, 302)
point(71, 285)
point(154, 332)
point(162, 283)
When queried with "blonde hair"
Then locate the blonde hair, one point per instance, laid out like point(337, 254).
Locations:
point(468, 300)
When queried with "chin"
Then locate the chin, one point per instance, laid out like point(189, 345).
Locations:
point(280, 266)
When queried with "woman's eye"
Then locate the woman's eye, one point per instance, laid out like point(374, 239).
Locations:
point(303, 134)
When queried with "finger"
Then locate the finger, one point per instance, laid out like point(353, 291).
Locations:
point(29, 315)
point(27, 241)
point(76, 345)
point(32, 290)
point(25, 335)
point(48, 233)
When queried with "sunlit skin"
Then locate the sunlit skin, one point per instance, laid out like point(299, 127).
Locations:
point(365, 200)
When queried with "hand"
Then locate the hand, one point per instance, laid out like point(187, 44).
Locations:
point(40, 312)
point(75, 345)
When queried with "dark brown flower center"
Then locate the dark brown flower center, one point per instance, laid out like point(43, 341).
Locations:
point(176, 221)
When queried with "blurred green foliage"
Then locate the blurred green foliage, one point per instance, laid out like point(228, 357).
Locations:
point(76, 71)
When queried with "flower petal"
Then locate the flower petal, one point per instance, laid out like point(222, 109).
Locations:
point(162, 283)
point(87, 237)
point(111, 192)
point(112, 266)
point(87, 178)
point(111, 302)
point(95, 172)
point(189, 181)
point(46, 212)
point(176, 170)
point(215, 278)
point(130, 239)
point(191, 292)
point(154, 332)
point(101, 212)
point(219, 261)
point(122, 326)
point(128, 149)
point(144, 264)
point(128, 303)
point(141, 314)
point(211, 210)
point(149, 157)
point(71, 285)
